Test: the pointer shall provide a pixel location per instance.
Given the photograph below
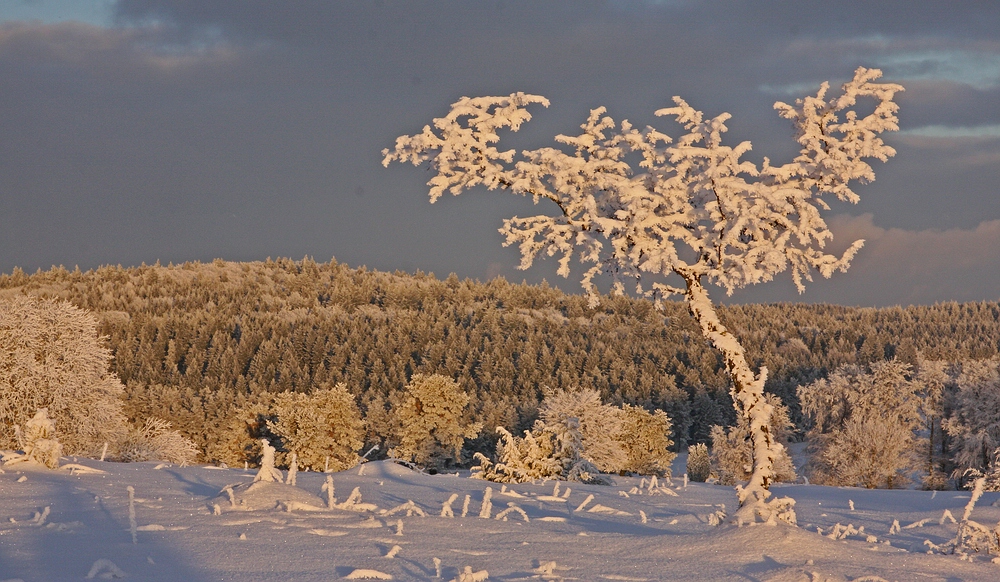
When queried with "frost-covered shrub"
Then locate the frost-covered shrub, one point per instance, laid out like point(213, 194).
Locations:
point(645, 438)
point(38, 440)
point(699, 467)
point(52, 357)
point(520, 460)
point(863, 425)
point(156, 441)
point(598, 424)
point(323, 428)
point(430, 422)
point(732, 450)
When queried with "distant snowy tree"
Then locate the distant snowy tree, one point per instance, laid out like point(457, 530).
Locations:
point(691, 210)
point(52, 357)
point(323, 428)
point(732, 449)
point(645, 438)
point(431, 421)
point(974, 425)
point(863, 425)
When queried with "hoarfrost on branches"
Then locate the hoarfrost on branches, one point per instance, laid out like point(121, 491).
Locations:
point(692, 211)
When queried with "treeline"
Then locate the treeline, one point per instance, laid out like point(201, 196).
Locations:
point(192, 343)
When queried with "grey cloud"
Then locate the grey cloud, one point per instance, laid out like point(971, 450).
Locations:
point(246, 128)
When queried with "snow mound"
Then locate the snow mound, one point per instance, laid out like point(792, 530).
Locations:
point(264, 495)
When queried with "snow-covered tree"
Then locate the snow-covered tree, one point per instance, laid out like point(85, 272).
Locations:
point(863, 425)
point(598, 425)
point(431, 422)
point(323, 428)
point(974, 425)
point(732, 449)
point(645, 437)
point(52, 357)
point(692, 211)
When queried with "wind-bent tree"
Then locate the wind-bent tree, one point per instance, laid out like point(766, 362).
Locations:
point(691, 213)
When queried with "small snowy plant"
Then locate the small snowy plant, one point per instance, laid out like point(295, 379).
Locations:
point(39, 442)
point(267, 473)
point(689, 215)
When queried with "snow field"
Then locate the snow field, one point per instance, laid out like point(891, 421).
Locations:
point(60, 525)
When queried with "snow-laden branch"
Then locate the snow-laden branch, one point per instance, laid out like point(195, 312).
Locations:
point(690, 206)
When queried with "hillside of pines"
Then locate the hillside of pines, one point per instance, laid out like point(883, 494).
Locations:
point(193, 342)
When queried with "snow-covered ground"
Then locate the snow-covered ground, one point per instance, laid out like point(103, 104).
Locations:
point(69, 524)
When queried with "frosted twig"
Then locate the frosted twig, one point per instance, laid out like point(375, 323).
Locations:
point(437, 567)
point(328, 488)
point(585, 502)
point(399, 527)
point(487, 507)
point(642, 514)
point(946, 516)
point(410, 507)
point(446, 510)
point(392, 553)
point(131, 514)
point(465, 505)
point(293, 470)
point(512, 507)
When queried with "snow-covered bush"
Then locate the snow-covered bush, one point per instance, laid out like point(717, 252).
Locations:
point(863, 425)
point(52, 357)
point(690, 214)
point(323, 428)
point(597, 424)
point(156, 441)
point(38, 440)
point(974, 425)
point(732, 449)
point(699, 465)
point(430, 422)
point(645, 438)
point(519, 460)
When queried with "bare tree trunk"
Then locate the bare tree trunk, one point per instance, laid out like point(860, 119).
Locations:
point(747, 392)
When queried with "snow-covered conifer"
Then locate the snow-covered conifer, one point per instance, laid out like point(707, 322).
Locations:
point(699, 465)
point(431, 422)
point(52, 357)
point(691, 213)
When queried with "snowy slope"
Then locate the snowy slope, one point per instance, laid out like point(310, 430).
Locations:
point(180, 537)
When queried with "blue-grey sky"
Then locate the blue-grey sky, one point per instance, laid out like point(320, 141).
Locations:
point(141, 130)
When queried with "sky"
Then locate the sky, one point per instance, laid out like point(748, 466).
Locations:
point(136, 131)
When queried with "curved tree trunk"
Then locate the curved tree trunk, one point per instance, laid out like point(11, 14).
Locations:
point(748, 398)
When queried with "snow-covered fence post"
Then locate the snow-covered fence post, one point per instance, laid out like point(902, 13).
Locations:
point(692, 213)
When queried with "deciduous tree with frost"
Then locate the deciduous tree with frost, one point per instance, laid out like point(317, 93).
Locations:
point(691, 213)
point(52, 357)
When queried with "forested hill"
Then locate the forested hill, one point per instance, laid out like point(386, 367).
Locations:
point(193, 341)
